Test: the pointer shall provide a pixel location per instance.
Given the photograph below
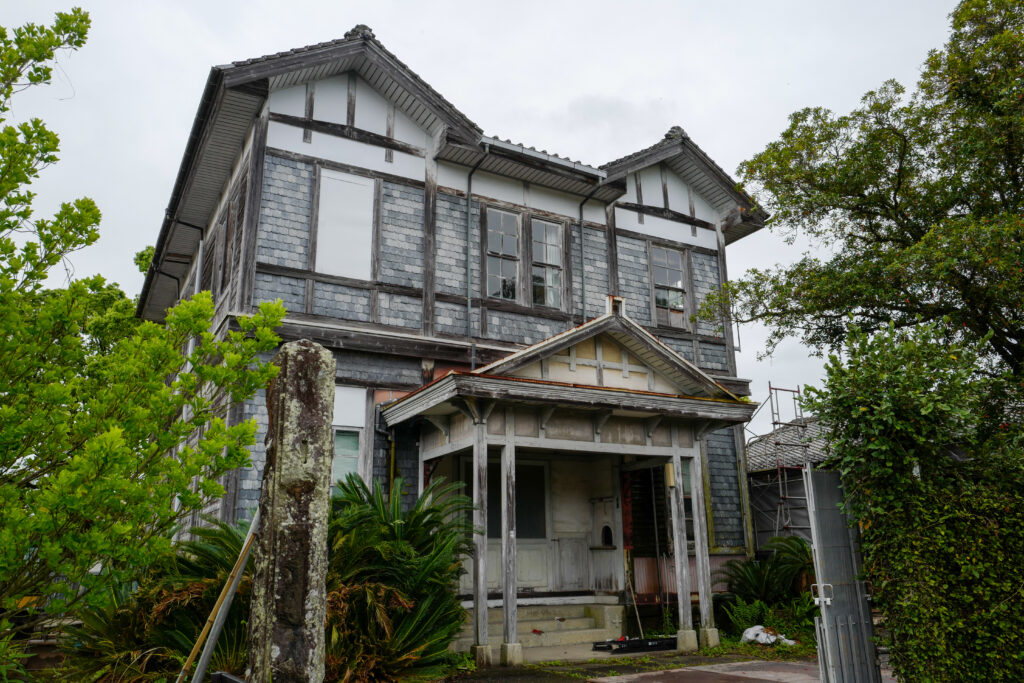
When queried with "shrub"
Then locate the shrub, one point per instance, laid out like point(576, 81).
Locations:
point(392, 605)
point(742, 615)
point(767, 580)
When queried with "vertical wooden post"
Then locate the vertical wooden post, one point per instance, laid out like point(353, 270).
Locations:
point(289, 587)
point(511, 650)
point(481, 650)
point(708, 632)
point(686, 637)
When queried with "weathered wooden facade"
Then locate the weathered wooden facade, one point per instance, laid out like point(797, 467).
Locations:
point(484, 301)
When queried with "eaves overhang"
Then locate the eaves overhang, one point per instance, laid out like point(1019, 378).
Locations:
point(438, 398)
point(511, 160)
point(680, 154)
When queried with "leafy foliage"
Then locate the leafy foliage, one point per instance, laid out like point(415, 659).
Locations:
point(917, 200)
point(95, 400)
point(392, 606)
point(932, 469)
point(742, 615)
point(393, 580)
point(147, 633)
point(793, 557)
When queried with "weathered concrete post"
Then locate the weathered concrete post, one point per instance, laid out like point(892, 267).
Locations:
point(289, 602)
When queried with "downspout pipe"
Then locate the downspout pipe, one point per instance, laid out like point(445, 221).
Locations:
point(583, 244)
point(469, 248)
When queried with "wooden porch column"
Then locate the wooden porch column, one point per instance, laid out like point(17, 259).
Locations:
point(686, 637)
point(481, 650)
point(511, 650)
point(708, 632)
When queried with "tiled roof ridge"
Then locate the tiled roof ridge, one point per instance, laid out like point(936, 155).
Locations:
point(357, 32)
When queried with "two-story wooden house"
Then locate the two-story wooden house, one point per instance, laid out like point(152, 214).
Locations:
point(500, 315)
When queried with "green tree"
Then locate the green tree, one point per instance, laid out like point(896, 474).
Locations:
point(916, 200)
point(111, 428)
point(934, 478)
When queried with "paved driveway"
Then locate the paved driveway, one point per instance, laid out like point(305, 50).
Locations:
point(735, 672)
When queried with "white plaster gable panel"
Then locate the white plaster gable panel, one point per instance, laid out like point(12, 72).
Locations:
point(345, 151)
point(551, 200)
point(406, 130)
point(452, 175)
point(680, 194)
point(498, 187)
point(330, 99)
point(291, 101)
point(665, 229)
point(650, 187)
point(371, 109)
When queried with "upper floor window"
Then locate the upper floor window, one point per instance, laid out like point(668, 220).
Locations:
point(344, 232)
point(502, 254)
point(669, 293)
point(547, 263)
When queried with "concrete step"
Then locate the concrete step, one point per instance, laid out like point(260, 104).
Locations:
point(495, 628)
point(532, 612)
point(546, 639)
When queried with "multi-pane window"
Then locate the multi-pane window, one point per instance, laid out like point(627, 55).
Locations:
point(669, 294)
point(547, 263)
point(346, 454)
point(502, 254)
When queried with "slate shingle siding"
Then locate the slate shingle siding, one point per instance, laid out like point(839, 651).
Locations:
point(634, 279)
point(705, 279)
point(725, 494)
point(348, 303)
point(291, 291)
point(713, 356)
point(373, 368)
point(521, 329)
point(451, 318)
point(683, 347)
point(596, 267)
point(401, 235)
point(400, 311)
point(283, 234)
point(251, 478)
point(450, 248)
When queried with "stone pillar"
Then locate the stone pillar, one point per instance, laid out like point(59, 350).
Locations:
point(289, 601)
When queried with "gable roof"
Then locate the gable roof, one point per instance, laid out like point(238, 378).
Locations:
point(793, 444)
point(687, 160)
point(631, 336)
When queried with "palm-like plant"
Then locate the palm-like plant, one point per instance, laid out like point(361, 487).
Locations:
point(392, 580)
point(793, 555)
point(147, 633)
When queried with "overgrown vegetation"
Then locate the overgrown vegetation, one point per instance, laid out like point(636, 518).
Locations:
point(772, 591)
point(392, 606)
point(918, 202)
point(94, 399)
point(930, 455)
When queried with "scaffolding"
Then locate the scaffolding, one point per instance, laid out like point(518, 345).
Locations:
point(775, 462)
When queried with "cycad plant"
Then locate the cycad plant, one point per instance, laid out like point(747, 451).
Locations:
point(146, 633)
point(393, 579)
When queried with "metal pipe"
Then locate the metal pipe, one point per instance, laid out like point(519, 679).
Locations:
point(469, 247)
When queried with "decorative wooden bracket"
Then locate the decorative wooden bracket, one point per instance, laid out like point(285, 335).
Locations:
point(599, 419)
point(443, 424)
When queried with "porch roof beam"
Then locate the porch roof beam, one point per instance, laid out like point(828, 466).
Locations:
point(717, 411)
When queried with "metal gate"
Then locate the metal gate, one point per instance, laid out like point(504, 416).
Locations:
point(846, 653)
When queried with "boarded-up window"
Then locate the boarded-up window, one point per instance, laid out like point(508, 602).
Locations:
point(344, 238)
point(531, 501)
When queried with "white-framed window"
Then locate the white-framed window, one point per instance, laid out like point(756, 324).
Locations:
point(546, 281)
point(502, 254)
point(347, 430)
point(668, 275)
point(344, 225)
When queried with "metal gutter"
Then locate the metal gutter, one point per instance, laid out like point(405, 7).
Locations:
point(543, 156)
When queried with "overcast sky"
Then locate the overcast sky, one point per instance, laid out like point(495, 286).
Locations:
point(590, 80)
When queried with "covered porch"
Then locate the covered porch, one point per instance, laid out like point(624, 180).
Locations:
point(544, 460)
